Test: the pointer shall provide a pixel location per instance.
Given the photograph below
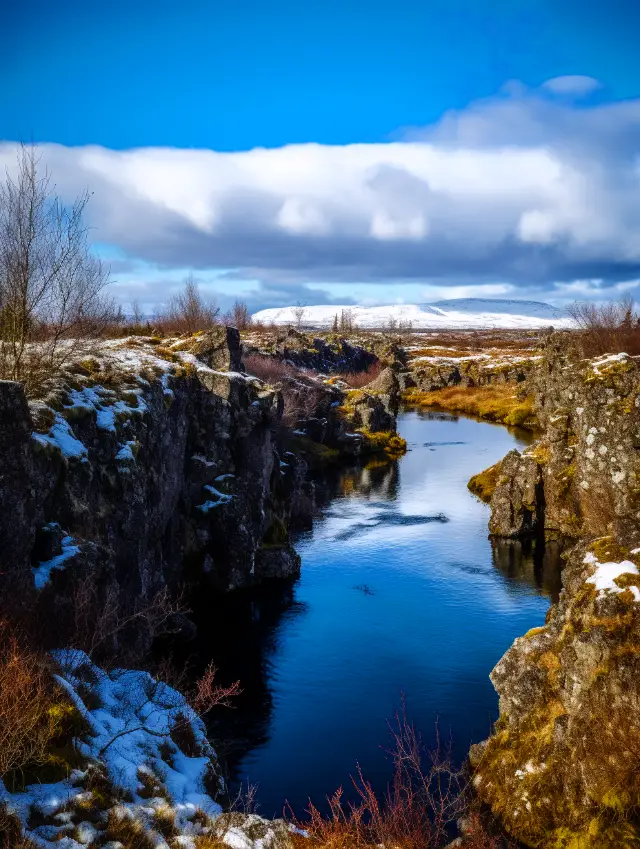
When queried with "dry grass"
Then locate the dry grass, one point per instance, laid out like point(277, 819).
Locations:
point(358, 379)
point(384, 442)
point(497, 403)
point(270, 370)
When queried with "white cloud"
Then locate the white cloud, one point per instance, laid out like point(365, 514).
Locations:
point(522, 190)
point(572, 85)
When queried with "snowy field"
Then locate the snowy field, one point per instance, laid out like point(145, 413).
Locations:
point(463, 313)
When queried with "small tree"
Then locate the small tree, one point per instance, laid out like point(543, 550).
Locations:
point(240, 315)
point(299, 313)
point(188, 311)
point(334, 327)
point(346, 321)
point(51, 284)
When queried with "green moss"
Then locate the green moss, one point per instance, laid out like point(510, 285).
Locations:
point(383, 442)
point(276, 534)
point(484, 483)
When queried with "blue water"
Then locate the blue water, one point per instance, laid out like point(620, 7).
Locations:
point(401, 591)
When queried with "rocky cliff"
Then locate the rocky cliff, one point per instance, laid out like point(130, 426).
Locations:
point(582, 477)
point(563, 766)
point(146, 465)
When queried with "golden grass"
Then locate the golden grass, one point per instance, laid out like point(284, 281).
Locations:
point(384, 441)
point(484, 483)
point(497, 403)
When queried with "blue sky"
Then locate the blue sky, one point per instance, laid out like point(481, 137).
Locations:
point(238, 76)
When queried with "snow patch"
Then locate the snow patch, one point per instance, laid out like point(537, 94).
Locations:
point(62, 438)
point(476, 313)
point(605, 575)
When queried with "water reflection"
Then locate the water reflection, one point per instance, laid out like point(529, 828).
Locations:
point(401, 590)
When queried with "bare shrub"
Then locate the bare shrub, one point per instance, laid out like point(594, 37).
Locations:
point(358, 379)
point(240, 316)
point(301, 400)
point(301, 393)
point(188, 311)
point(425, 797)
point(268, 369)
point(103, 625)
point(347, 323)
point(28, 721)
point(609, 328)
point(207, 694)
point(299, 312)
point(51, 285)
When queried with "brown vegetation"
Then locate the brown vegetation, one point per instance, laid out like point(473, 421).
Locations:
point(496, 403)
point(358, 379)
point(188, 311)
point(31, 710)
point(424, 799)
point(610, 328)
point(300, 392)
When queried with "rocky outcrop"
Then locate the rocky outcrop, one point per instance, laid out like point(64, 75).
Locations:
point(517, 503)
point(157, 467)
point(562, 768)
point(586, 466)
point(306, 351)
point(433, 371)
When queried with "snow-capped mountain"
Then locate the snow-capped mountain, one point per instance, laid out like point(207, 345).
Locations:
point(462, 313)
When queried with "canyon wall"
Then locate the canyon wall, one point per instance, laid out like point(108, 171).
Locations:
point(562, 768)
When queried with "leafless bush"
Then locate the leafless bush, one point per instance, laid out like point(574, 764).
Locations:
point(269, 369)
point(207, 694)
point(188, 311)
point(347, 323)
point(51, 285)
point(28, 723)
point(301, 393)
point(301, 400)
point(425, 797)
point(103, 625)
point(358, 379)
point(299, 312)
point(609, 328)
point(240, 317)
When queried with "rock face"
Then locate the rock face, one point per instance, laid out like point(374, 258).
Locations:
point(586, 466)
point(434, 371)
point(157, 467)
point(16, 466)
point(305, 351)
point(563, 766)
point(517, 504)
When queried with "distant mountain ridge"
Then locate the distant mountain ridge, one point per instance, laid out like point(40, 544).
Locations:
point(461, 313)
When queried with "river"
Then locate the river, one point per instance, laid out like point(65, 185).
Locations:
point(401, 591)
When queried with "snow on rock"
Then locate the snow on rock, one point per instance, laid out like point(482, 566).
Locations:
point(61, 437)
point(147, 776)
point(42, 572)
point(605, 575)
point(463, 313)
point(133, 722)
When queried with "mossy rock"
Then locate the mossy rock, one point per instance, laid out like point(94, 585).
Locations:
point(484, 483)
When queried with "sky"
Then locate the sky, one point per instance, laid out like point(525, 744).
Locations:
point(340, 151)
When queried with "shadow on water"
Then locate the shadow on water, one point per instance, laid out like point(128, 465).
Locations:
point(401, 591)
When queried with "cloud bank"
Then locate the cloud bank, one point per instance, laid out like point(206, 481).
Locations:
point(531, 188)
